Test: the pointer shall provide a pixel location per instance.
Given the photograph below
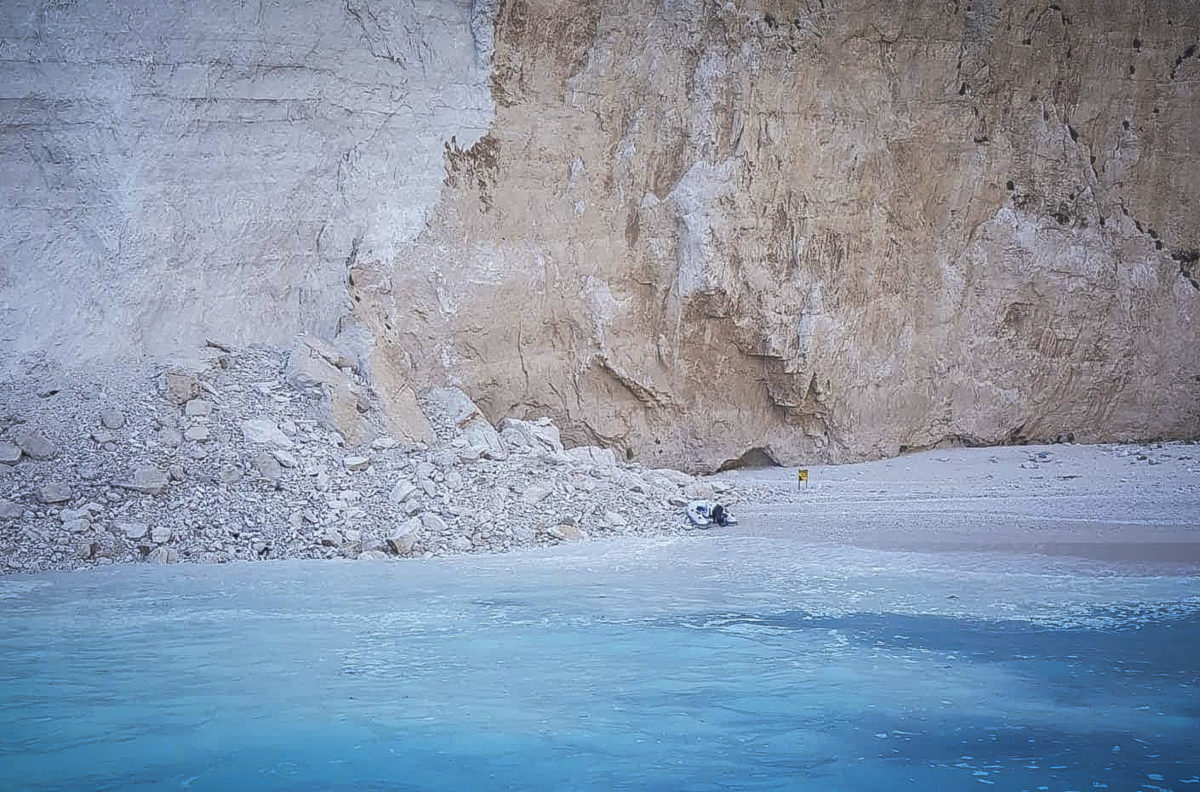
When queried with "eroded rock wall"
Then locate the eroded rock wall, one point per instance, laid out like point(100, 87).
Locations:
point(821, 230)
point(170, 170)
point(694, 231)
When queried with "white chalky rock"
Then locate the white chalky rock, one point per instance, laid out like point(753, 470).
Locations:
point(615, 519)
point(285, 458)
point(163, 555)
point(267, 432)
point(10, 453)
point(148, 480)
point(198, 434)
point(198, 407)
point(268, 467)
point(434, 524)
point(482, 438)
point(356, 463)
point(132, 530)
point(594, 455)
point(160, 534)
point(402, 491)
point(112, 419)
point(536, 493)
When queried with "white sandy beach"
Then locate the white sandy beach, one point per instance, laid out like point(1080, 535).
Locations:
point(1097, 502)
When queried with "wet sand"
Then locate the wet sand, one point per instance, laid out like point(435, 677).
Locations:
point(1094, 502)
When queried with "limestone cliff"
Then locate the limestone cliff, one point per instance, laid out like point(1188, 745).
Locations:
point(699, 232)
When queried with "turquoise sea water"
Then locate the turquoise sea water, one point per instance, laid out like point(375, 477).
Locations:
point(727, 663)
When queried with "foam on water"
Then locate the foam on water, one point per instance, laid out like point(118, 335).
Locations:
point(667, 664)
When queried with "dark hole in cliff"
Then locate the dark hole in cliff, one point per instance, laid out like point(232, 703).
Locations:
point(1131, 70)
point(1158, 245)
point(1186, 256)
point(1062, 217)
point(1008, 185)
point(629, 453)
point(982, 139)
point(770, 20)
point(1027, 42)
point(757, 457)
point(1074, 134)
point(1153, 234)
point(962, 89)
point(1137, 44)
point(1125, 123)
point(1102, 222)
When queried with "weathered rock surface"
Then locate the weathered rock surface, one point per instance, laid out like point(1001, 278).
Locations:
point(10, 453)
point(699, 234)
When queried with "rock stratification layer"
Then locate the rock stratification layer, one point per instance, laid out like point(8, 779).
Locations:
point(702, 233)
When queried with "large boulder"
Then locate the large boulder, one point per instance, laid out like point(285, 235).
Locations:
point(539, 435)
point(595, 456)
point(462, 415)
point(264, 431)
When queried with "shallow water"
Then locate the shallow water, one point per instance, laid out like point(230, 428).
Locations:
point(713, 663)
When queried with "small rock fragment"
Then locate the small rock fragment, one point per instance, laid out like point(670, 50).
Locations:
point(112, 418)
point(615, 519)
point(10, 510)
point(147, 480)
point(198, 407)
point(285, 458)
point(402, 491)
point(160, 534)
point(163, 555)
point(268, 467)
point(36, 445)
point(181, 387)
point(266, 431)
point(54, 493)
point(198, 434)
point(570, 532)
point(10, 453)
point(131, 530)
point(356, 463)
point(536, 493)
point(434, 524)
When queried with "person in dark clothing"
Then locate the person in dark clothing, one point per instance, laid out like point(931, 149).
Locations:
point(719, 515)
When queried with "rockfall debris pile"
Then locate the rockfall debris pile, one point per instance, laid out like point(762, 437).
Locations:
point(254, 453)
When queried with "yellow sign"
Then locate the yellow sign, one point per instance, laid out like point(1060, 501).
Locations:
point(802, 474)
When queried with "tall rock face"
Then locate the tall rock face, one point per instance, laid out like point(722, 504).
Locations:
point(175, 169)
point(701, 232)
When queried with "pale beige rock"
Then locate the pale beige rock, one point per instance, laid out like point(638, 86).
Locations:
point(181, 387)
point(758, 233)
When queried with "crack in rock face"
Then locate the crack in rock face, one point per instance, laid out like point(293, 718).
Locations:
point(693, 234)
